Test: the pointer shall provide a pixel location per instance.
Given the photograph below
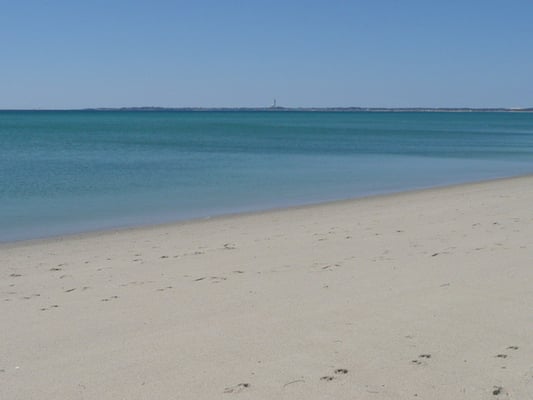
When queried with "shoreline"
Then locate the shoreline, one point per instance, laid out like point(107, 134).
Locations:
point(423, 294)
point(152, 226)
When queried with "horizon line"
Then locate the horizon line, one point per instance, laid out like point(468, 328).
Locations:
point(274, 108)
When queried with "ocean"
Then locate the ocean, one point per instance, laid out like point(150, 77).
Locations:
point(67, 172)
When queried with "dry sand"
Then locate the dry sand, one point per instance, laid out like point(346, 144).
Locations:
point(422, 295)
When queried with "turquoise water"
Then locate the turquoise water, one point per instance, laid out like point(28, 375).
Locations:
point(73, 171)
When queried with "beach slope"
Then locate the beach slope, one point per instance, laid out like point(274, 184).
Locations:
point(424, 295)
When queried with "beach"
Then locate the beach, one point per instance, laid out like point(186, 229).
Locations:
point(424, 294)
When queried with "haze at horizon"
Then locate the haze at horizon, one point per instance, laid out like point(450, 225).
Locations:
point(305, 54)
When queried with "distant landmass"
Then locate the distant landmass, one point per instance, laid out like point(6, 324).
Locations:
point(320, 109)
point(291, 109)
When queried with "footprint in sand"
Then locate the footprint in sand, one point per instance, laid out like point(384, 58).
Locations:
point(496, 390)
point(420, 362)
point(341, 371)
point(217, 279)
point(338, 371)
point(49, 308)
point(502, 355)
point(213, 279)
point(110, 298)
point(237, 388)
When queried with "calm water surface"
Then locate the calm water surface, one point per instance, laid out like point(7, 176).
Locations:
point(73, 171)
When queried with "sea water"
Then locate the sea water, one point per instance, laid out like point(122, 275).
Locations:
point(73, 171)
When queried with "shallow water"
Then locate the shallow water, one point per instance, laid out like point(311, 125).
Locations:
point(72, 171)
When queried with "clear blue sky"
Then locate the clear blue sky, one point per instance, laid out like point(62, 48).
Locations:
point(74, 54)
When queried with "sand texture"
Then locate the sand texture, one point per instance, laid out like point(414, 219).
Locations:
point(421, 295)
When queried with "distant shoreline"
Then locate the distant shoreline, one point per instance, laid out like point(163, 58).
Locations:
point(289, 109)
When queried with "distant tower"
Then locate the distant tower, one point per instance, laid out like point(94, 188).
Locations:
point(273, 104)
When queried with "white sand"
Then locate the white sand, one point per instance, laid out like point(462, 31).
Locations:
point(417, 295)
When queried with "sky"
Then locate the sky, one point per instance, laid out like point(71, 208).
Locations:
point(62, 54)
